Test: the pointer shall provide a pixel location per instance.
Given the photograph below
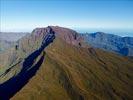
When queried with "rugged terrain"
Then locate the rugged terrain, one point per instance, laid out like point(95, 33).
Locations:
point(110, 42)
point(8, 39)
point(55, 63)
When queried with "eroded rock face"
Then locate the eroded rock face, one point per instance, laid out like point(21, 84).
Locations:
point(17, 74)
point(25, 46)
point(68, 35)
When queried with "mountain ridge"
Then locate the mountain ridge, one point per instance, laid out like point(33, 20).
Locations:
point(70, 71)
point(110, 42)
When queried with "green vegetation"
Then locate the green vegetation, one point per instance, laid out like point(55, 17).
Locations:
point(74, 73)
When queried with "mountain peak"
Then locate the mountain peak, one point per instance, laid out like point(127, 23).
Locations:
point(68, 35)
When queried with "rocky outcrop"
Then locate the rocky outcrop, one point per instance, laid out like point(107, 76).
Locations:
point(68, 35)
point(29, 65)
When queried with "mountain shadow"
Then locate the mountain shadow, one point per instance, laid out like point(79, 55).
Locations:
point(29, 68)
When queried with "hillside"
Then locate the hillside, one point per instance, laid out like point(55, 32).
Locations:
point(69, 69)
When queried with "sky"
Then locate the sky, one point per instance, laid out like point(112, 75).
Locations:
point(83, 15)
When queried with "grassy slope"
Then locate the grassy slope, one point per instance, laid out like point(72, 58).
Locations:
point(70, 72)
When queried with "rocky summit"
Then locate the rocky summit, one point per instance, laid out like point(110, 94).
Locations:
point(56, 63)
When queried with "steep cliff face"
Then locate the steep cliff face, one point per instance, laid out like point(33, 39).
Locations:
point(26, 61)
point(23, 48)
point(69, 35)
point(65, 70)
point(109, 42)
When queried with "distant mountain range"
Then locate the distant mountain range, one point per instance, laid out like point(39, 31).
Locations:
point(110, 42)
point(8, 39)
point(56, 63)
point(12, 36)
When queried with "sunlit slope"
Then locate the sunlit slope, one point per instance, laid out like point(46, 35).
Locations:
point(76, 73)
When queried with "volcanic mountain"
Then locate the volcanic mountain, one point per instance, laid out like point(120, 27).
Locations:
point(55, 63)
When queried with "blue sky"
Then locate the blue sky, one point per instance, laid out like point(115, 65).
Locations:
point(24, 15)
